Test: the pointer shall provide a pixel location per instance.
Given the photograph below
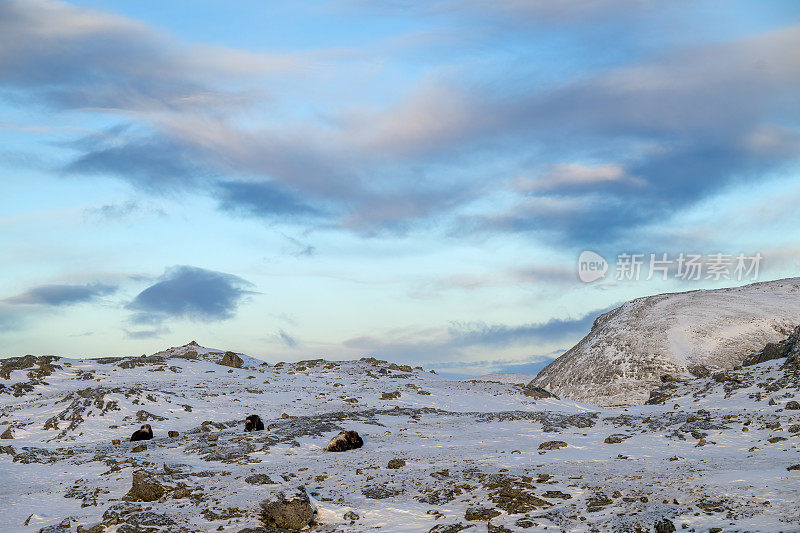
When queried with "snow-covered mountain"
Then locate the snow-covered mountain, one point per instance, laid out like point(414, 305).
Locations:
point(439, 455)
point(691, 333)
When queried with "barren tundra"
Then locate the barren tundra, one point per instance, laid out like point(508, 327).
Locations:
point(439, 455)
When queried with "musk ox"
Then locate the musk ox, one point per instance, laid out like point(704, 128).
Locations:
point(253, 423)
point(143, 433)
point(346, 440)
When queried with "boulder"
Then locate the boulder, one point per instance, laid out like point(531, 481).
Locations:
point(481, 513)
point(664, 526)
point(394, 464)
point(232, 360)
point(289, 509)
point(538, 393)
point(145, 488)
point(553, 445)
point(7, 434)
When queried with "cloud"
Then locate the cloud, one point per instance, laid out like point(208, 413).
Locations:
point(153, 163)
point(140, 334)
point(286, 339)
point(61, 295)
point(263, 200)
point(191, 293)
point(453, 344)
point(564, 177)
point(554, 330)
point(661, 134)
point(71, 57)
point(10, 318)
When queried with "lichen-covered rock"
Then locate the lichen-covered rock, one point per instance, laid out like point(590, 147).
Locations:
point(259, 479)
point(553, 445)
point(145, 488)
point(481, 513)
point(290, 509)
point(394, 464)
point(664, 526)
point(380, 492)
point(533, 391)
point(449, 528)
point(232, 360)
point(7, 434)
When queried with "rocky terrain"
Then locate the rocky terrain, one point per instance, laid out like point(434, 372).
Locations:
point(684, 334)
point(705, 454)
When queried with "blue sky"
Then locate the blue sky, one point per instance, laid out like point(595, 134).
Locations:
point(409, 180)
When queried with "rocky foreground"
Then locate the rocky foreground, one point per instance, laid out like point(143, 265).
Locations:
point(706, 454)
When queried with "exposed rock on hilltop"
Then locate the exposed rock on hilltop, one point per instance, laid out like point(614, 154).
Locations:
point(682, 334)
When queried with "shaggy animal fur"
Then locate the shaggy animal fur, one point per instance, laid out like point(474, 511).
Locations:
point(145, 433)
point(346, 440)
point(253, 423)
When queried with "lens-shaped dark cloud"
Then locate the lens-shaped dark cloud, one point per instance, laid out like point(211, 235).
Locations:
point(61, 295)
point(192, 293)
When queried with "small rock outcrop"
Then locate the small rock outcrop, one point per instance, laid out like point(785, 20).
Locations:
point(346, 440)
point(145, 488)
point(232, 360)
point(553, 445)
point(395, 464)
point(290, 510)
point(789, 347)
point(538, 393)
point(664, 526)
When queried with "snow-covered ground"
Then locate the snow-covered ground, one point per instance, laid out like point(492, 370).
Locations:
point(466, 445)
point(689, 333)
point(513, 378)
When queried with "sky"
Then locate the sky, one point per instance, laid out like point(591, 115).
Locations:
point(413, 181)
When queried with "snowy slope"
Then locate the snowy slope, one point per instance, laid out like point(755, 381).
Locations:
point(466, 445)
point(691, 333)
point(513, 378)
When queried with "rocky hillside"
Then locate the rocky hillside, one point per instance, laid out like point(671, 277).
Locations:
point(438, 455)
point(682, 334)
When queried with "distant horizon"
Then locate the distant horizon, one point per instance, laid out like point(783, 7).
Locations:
point(459, 186)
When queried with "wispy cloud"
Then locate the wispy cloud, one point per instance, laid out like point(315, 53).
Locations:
point(61, 295)
point(452, 344)
point(286, 339)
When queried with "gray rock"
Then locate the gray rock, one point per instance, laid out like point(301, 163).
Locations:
point(289, 509)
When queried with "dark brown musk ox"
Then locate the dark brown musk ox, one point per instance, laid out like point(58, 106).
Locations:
point(143, 433)
point(346, 440)
point(253, 423)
